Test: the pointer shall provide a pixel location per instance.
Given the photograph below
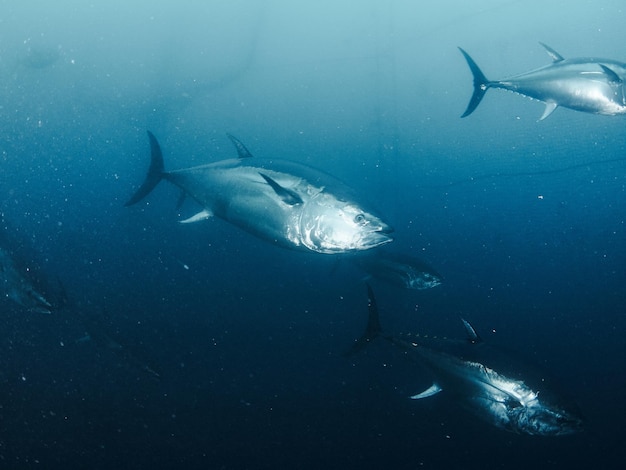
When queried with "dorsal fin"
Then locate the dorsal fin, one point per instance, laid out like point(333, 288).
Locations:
point(287, 195)
point(472, 336)
point(242, 151)
point(554, 55)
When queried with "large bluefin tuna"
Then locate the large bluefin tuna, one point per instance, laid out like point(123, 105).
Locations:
point(587, 84)
point(285, 203)
point(487, 381)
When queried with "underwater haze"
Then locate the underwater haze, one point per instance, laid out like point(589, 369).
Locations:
point(200, 346)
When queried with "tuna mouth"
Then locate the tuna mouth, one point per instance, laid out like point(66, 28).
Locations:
point(380, 229)
point(377, 238)
point(38, 303)
point(433, 282)
point(41, 308)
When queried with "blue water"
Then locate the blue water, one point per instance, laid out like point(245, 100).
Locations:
point(525, 220)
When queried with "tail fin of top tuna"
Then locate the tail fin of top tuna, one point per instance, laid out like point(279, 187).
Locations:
point(373, 330)
point(155, 172)
point(481, 84)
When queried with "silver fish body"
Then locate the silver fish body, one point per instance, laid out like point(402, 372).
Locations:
point(487, 381)
point(285, 203)
point(498, 388)
point(16, 282)
point(587, 84)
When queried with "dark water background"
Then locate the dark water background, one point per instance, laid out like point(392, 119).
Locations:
point(524, 219)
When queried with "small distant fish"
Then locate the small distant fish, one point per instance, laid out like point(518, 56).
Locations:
point(17, 283)
point(591, 85)
point(37, 55)
point(398, 269)
point(98, 330)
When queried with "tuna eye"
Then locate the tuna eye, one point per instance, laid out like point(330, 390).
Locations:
point(359, 219)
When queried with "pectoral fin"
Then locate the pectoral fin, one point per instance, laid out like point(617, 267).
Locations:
point(287, 195)
point(613, 77)
point(429, 392)
point(202, 215)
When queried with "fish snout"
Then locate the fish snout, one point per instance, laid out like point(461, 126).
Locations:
point(38, 302)
point(386, 228)
point(381, 235)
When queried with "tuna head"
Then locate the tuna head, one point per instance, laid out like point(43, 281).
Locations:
point(536, 418)
point(331, 225)
point(423, 280)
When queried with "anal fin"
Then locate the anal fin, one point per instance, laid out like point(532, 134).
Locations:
point(550, 107)
point(202, 215)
